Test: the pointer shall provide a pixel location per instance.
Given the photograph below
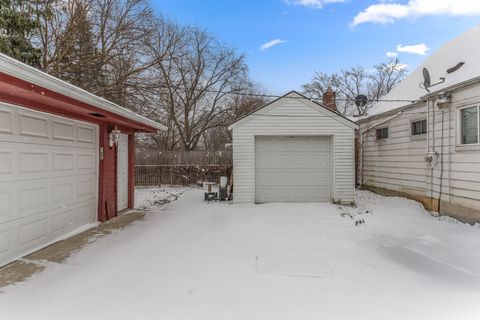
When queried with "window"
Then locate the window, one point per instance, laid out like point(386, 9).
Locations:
point(469, 125)
point(419, 127)
point(382, 133)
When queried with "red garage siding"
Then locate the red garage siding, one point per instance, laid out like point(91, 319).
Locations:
point(20, 92)
point(107, 200)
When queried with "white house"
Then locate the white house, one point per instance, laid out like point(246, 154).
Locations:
point(293, 150)
point(423, 142)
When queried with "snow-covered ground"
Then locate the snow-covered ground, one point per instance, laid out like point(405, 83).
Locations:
point(153, 198)
point(194, 260)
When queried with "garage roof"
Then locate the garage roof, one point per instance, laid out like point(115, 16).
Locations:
point(44, 88)
point(300, 97)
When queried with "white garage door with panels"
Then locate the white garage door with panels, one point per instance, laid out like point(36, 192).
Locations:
point(293, 169)
point(48, 178)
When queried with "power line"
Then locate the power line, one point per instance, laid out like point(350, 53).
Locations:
point(263, 95)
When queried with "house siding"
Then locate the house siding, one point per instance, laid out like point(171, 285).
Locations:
point(398, 163)
point(293, 118)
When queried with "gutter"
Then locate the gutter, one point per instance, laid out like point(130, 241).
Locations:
point(382, 122)
point(452, 87)
point(27, 73)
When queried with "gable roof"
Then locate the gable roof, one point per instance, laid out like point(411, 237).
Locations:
point(464, 48)
point(20, 70)
point(300, 97)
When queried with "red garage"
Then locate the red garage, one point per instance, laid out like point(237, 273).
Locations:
point(66, 158)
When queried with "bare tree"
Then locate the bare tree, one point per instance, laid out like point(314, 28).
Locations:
point(238, 105)
point(120, 28)
point(194, 74)
point(385, 76)
point(113, 29)
point(349, 83)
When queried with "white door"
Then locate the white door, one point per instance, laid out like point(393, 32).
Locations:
point(48, 179)
point(122, 172)
point(293, 169)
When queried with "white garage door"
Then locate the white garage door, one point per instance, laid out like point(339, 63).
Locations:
point(48, 179)
point(292, 169)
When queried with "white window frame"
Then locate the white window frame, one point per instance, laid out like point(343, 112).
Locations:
point(421, 135)
point(459, 127)
point(381, 128)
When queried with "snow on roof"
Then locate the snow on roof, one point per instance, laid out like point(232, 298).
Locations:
point(32, 75)
point(464, 48)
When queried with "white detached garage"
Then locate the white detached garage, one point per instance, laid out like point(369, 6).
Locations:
point(294, 150)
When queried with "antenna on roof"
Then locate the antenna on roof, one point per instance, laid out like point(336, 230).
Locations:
point(427, 81)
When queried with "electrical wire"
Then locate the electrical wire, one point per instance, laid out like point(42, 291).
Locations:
point(262, 95)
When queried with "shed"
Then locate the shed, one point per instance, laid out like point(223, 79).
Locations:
point(66, 158)
point(293, 150)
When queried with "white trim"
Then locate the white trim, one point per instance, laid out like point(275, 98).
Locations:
point(25, 72)
point(420, 135)
point(458, 142)
point(280, 101)
point(381, 128)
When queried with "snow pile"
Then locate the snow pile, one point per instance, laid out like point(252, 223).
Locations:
point(152, 198)
point(305, 261)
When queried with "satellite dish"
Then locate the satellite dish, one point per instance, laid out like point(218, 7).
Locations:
point(361, 100)
point(426, 78)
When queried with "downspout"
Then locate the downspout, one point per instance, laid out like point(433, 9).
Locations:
point(441, 166)
point(430, 151)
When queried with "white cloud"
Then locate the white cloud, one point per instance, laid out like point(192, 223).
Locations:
point(268, 45)
point(390, 12)
point(420, 49)
point(316, 4)
point(391, 54)
point(400, 66)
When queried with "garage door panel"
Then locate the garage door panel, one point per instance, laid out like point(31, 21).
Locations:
point(33, 125)
point(63, 191)
point(84, 213)
point(85, 134)
point(48, 174)
point(292, 169)
point(33, 232)
point(6, 162)
point(7, 240)
point(63, 161)
point(85, 160)
point(62, 222)
point(32, 196)
point(63, 131)
point(86, 189)
point(6, 121)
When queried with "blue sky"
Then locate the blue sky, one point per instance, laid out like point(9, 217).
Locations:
point(320, 35)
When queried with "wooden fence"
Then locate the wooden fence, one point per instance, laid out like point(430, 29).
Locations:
point(155, 167)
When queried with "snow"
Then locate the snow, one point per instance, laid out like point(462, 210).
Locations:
point(153, 198)
point(464, 48)
point(194, 260)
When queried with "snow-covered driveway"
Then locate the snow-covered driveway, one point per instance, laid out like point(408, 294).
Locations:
point(193, 260)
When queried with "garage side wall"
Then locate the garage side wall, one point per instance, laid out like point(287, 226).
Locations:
point(293, 118)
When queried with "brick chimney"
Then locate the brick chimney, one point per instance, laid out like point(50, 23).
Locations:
point(329, 99)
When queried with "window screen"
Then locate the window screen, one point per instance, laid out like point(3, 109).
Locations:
point(469, 121)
